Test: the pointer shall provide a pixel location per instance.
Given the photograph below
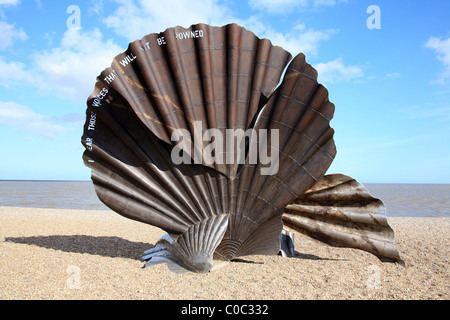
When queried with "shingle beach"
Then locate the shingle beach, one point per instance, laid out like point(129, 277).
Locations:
point(79, 254)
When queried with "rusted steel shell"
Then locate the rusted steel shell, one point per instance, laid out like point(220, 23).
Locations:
point(220, 77)
point(341, 212)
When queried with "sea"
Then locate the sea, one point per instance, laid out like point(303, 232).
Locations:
point(401, 200)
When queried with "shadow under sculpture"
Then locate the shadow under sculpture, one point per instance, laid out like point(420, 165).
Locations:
point(204, 81)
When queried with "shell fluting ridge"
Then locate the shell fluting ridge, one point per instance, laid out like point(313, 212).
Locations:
point(192, 131)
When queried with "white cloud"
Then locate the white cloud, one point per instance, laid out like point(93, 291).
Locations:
point(13, 73)
point(336, 71)
point(96, 7)
point(9, 2)
point(393, 75)
point(70, 70)
point(3, 5)
point(24, 119)
point(442, 51)
point(8, 34)
point(298, 39)
point(135, 21)
point(285, 6)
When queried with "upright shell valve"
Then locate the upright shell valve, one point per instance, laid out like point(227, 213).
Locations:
point(191, 130)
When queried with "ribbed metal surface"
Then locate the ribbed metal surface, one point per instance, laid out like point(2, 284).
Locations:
point(217, 75)
point(196, 246)
point(300, 110)
point(222, 77)
point(340, 211)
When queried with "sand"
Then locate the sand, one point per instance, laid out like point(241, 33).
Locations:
point(76, 254)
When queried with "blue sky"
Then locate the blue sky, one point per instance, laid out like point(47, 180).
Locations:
point(391, 86)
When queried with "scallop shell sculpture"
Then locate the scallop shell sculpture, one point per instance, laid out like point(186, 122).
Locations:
point(180, 134)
